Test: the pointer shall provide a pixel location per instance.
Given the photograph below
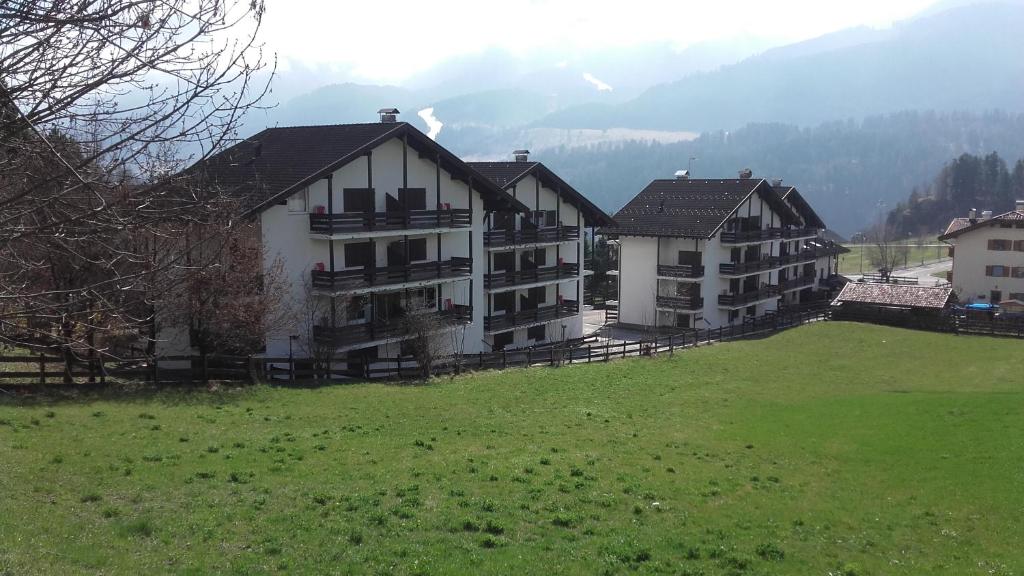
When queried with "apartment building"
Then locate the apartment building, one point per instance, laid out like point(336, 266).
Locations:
point(374, 224)
point(535, 265)
point(988, 256)
point(698, 253)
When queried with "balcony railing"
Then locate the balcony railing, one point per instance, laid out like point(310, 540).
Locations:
point(750, 267)
point(349, 222)
point(740, 237)
point(681, 271)
point(355, 334)
point(565, 309)
point(342, 280)
point(795, 283)
point(531, 236)
point(763, 293)
point(510, 278)
point(680, 302)
point(790, 233)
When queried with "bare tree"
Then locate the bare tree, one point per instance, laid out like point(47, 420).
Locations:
point(422, 331)
point(886, 250)
point(313, 310)
point(231, 299)
point(101, 104)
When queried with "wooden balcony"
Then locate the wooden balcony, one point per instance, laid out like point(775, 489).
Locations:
point(751, 267)
point(796, 283)
point(354, 222)
point(566, 309)
point(750, 236)
point(499, 238)
point(746, 298)
point(794, 233)
point(566, 271)
point(680, 302)
point(355, 334)
point(362, 278)
point(684, 271)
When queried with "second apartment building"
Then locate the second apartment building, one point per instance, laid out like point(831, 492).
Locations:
point(706, 253)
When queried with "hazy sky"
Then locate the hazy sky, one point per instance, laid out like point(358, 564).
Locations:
point(390, 40)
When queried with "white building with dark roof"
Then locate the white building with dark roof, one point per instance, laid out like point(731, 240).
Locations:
point(707, 253)
point(988, 256)
point(372, 223)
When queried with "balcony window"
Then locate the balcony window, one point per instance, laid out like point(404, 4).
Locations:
point(358, 199)
point(1000, 245)
point(537, 333)
point(997, 271)
point(1018, 245)
point(1017, 272)
point(505, 302)
point(358, 254)
point(298, 203)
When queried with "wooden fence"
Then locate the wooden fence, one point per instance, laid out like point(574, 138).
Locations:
point(48, 370)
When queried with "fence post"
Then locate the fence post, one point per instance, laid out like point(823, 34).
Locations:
point(529, 357)
point(291, 369)
point(103, 372)
point(481, 360)
point(607, 351)
point(551, 358)
point(250, 363)
point(623, 348)
point(670, 350)
point(504, 358)
point(206, 369)
point(42, 368)
point(588, 353)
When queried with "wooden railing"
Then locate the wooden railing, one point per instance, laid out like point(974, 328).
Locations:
point(564, 309)
point(348, 222)
point(681, 271)
point(763, 293)
point(741, 236)
point(359, 278)
point(798, 282)
point(531, 236)
point(512, 278)
point(749, 267)
point(680, 302)
point(372, 331)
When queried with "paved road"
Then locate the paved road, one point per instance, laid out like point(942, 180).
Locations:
point(922, 273)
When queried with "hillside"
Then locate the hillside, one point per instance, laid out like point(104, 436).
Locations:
point(963, 58)
point(843, 168)
point(730, 459)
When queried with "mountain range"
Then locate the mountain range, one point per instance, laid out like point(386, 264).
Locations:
point(957, 57)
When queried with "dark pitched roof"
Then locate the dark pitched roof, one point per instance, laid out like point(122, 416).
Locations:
point(276, 162)
point(803, 208)
point(507, 174)
point(692, 208)
point(899, 295)
point(962, 225)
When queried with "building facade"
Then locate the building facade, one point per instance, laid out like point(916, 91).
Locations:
point(988, 256)
point(379, 232)
point(535, 260)
point(707, 253)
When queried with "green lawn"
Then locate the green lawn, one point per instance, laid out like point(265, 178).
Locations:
point(850, 263)
point(829, 449)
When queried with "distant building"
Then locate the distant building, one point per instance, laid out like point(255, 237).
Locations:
point(709, 253)
point(988, 256)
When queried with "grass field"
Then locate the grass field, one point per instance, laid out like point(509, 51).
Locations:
point(829, 449)
point(850, 263)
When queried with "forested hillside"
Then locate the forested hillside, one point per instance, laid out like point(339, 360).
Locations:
point(980, 182)
point(844, 168)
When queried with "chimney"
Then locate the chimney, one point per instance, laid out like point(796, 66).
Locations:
point(777, 183)
point(521, 155)
point(985, 215)
point(1019, 206)
point(746, 174)
point(388, 115)
point(682, 174)
point(972, 215)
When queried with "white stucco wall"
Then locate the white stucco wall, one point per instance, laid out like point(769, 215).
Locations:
point(970, 257)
